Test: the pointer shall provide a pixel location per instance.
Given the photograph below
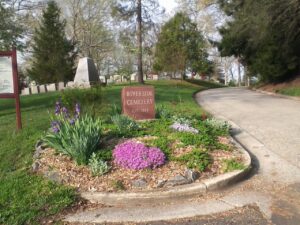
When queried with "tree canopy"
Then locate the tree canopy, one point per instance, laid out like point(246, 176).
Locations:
point(264, 34)
point(181, 46)
point(53, 55)
point(10, 31)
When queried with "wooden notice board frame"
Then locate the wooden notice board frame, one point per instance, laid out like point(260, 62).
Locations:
point(15, 95)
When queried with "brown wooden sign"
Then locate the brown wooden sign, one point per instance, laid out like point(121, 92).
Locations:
point(9, 82)
point(138, 102)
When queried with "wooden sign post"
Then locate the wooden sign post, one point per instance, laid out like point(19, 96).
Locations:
point(9, 82)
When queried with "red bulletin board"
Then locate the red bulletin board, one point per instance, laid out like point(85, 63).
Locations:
point(9, 82)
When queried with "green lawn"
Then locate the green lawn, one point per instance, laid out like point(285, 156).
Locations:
point(26, 198)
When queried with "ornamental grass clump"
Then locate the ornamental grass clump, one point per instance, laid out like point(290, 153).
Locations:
point(137, 156)
point(76, 136)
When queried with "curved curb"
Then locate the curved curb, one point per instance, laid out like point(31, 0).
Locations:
point(188, 190)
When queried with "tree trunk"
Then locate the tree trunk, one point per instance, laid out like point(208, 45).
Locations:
point(140, 44)
point(239, 72)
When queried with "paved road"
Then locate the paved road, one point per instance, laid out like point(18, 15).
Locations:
point(269, 127)
point(273, 121)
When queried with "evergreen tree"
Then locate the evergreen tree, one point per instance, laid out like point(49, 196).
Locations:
point(53, 55)
point(181, 46)
point(264, 35)
point(10, 30)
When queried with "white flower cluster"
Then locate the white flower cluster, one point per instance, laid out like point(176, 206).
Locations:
point(182, 127)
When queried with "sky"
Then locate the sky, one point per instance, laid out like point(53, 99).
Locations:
point(169, 5)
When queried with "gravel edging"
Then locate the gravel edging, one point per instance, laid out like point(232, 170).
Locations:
point(188, 190)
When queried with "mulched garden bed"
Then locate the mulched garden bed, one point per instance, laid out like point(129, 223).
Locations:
point(120, 179)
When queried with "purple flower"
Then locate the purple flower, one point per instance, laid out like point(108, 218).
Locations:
point(57, 108)
point(133, 155)
point(184, 128)
point(72, 121)
point(65, 112)
point(55, 125)
point(77, 110)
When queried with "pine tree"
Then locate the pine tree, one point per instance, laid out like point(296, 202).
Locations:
point(53, 54)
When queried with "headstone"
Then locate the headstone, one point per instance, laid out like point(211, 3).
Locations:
point(61, 86)
point(26, 91)
point(138, 102)
point(102, 79)
point(51, 87)
point(34, 90)
point(70, 84)
point(86, 72)
point(133, 77)
point(42, 89)
point(155, 77)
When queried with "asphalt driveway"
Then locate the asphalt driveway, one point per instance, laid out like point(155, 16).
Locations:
point(273, 121)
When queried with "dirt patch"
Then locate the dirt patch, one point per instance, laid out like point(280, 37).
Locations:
point(276, 87)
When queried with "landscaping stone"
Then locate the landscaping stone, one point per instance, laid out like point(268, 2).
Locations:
point(39, 144)
point(140, 183)
point(53, 176)
point(39, 148)
point(35, 166)
point(161, 183)
point(191, 175)
point(177, 180)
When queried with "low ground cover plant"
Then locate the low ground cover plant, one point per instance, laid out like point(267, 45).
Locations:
point(136, 156)
point(196, 159)
point(232, 165)
point(98, 166)
point(124, 124)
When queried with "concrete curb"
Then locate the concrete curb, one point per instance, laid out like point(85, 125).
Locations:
point(188, 190)
point(276, 94)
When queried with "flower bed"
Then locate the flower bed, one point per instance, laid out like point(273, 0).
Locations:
point(131, 155)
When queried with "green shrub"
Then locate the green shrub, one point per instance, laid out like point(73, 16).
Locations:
point(105, 154)
point(218, 127)
point(124, 124)
point(232, 165)
point(201, 139)
point(98, 166)
point(196, 159)
point(162, 143)
point(181, 120)
point(77, 140)
point(162, 112)
point(116, 110)
point(90, 99)
point(118, 185)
